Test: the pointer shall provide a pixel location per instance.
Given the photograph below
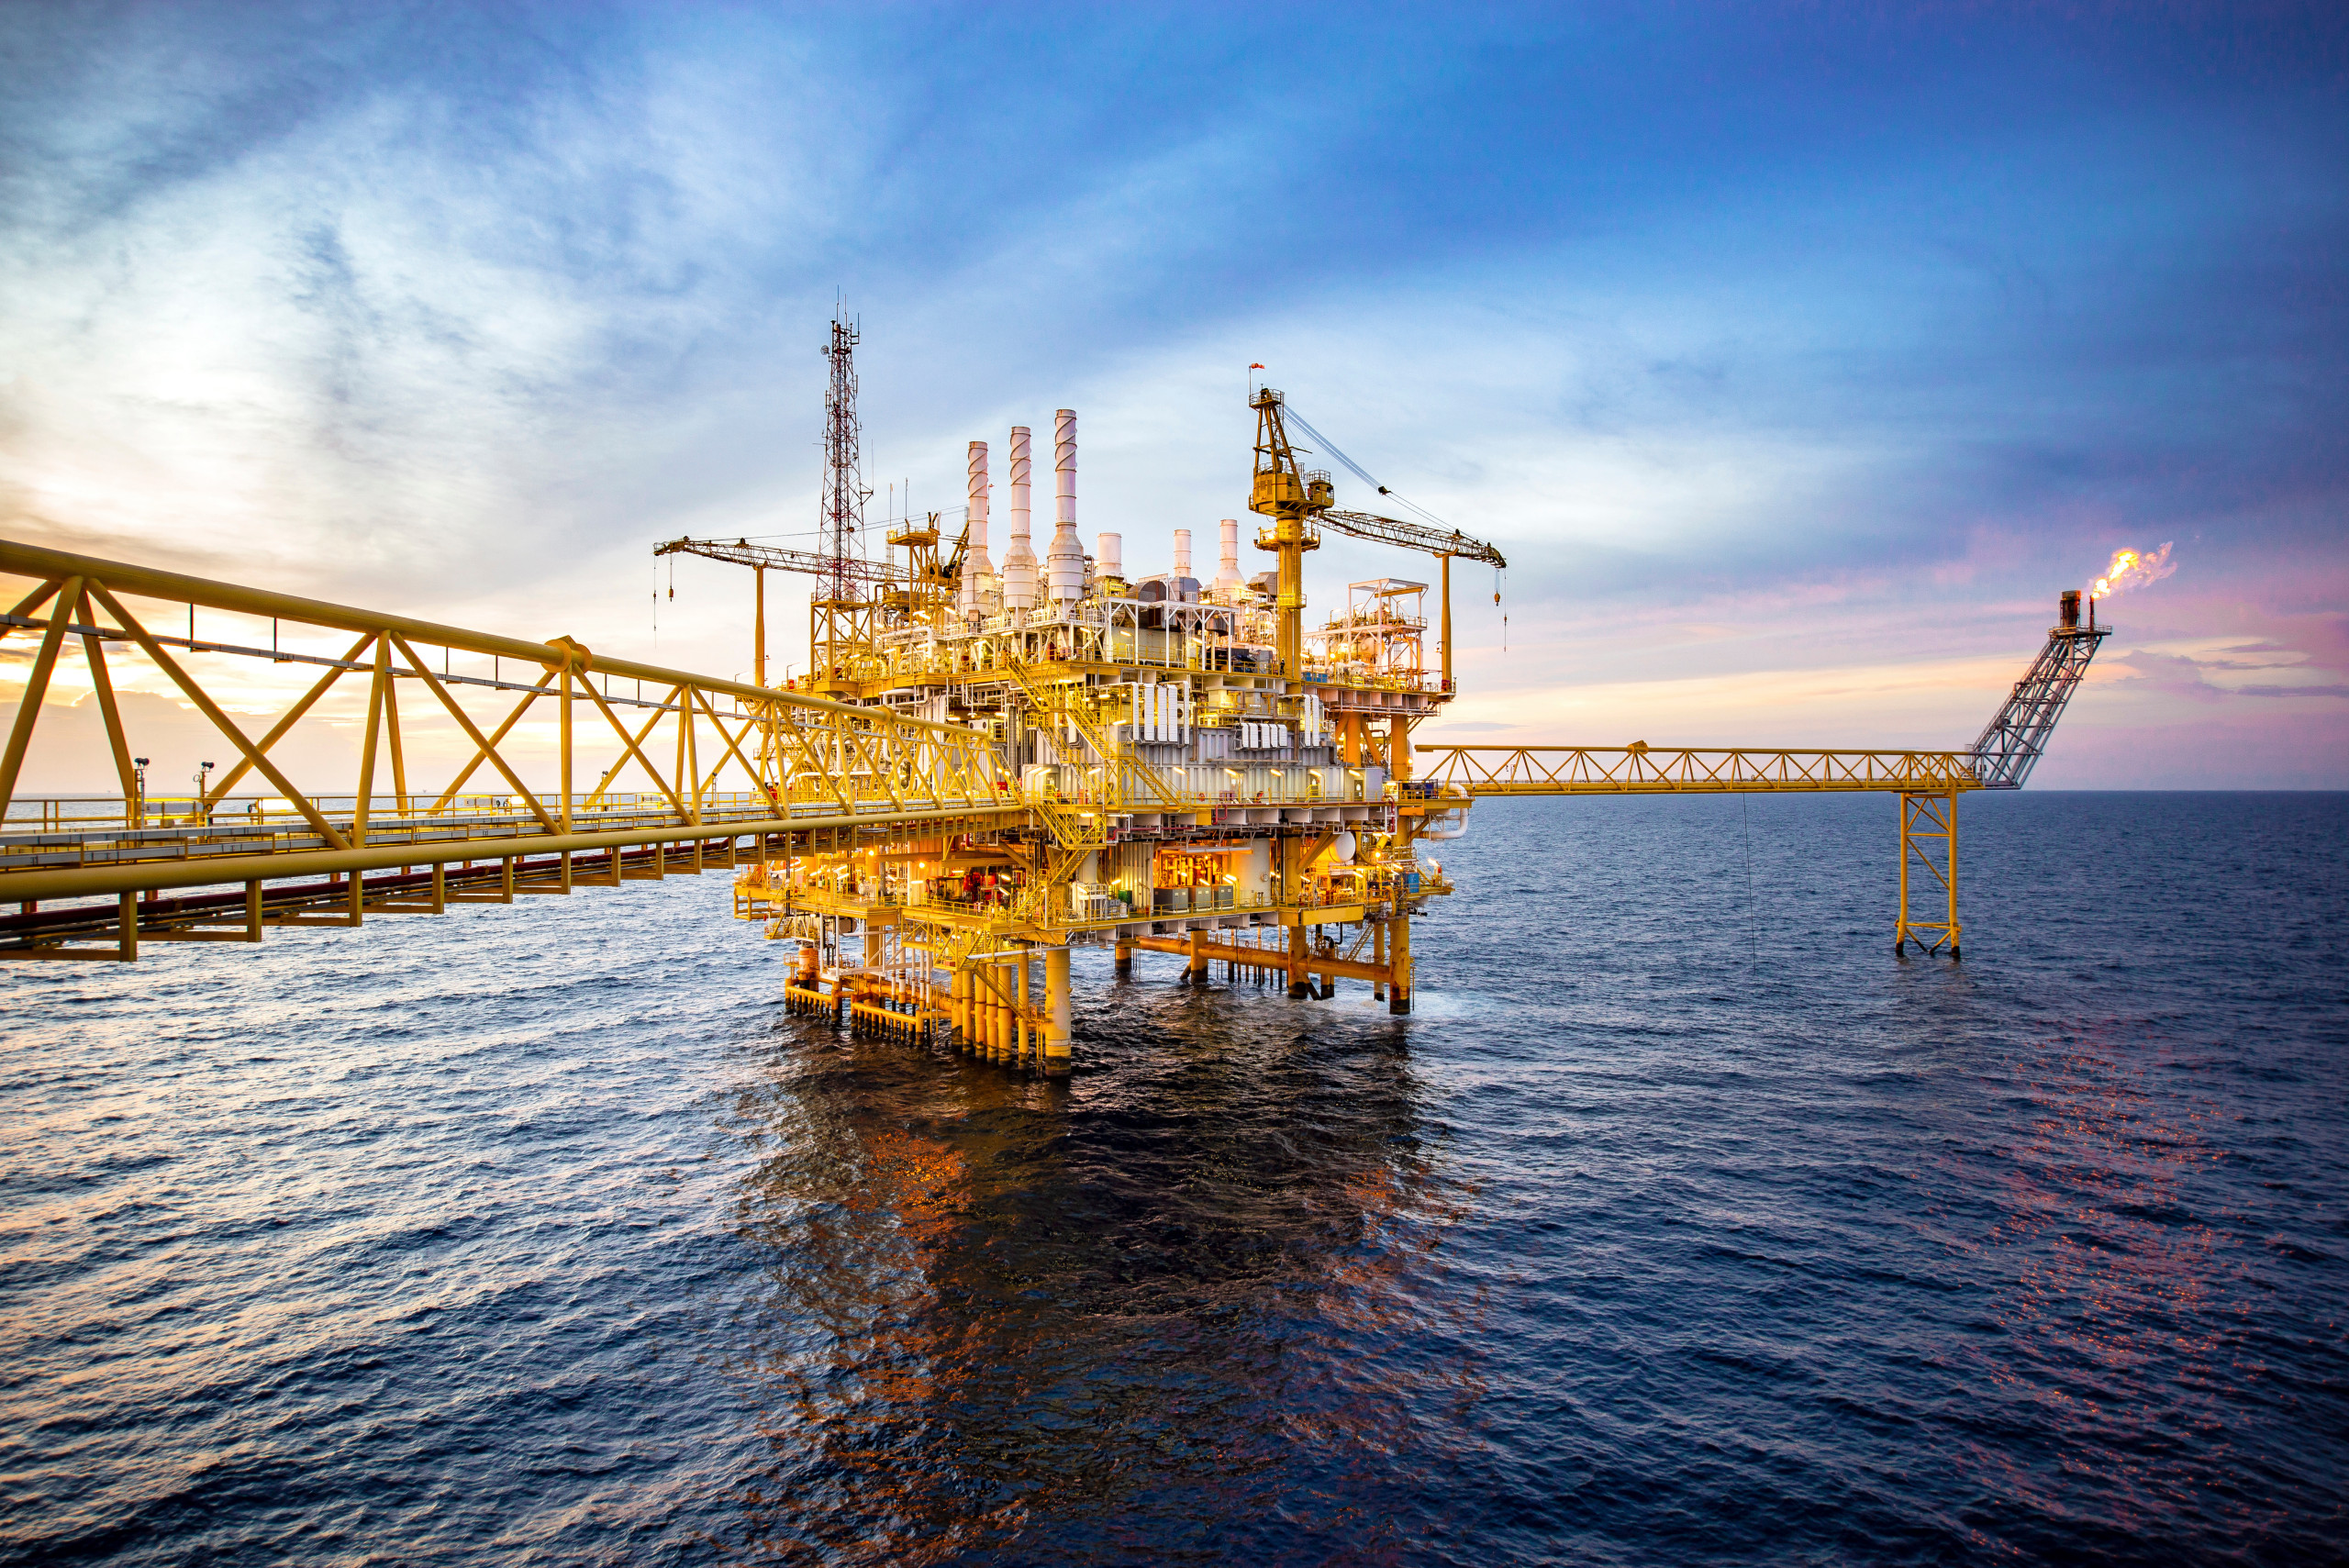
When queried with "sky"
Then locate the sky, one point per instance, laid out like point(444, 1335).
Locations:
point(1797, 355)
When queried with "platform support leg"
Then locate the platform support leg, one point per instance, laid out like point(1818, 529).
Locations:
point(1006, 1014)
point(1928, 864)
point(1197, 973)
point(1059, 1012)
point(1398, 969)
point(1300, 983)
point(1125, 961)
point(1020, 1043)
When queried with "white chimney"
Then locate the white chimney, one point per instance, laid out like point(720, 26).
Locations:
point(1181, 552)
point(1109, 559)
point(976, 568)
point(1227, 581)
point(1018, 560)
point(1064, 563)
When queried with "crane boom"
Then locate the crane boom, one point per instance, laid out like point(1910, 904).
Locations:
point(838, 571)
point(742, 553)
point(1412, 535)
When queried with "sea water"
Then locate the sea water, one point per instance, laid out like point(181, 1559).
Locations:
point(1682, 1222)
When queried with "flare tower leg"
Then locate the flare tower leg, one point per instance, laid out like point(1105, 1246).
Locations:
point(1928, 864)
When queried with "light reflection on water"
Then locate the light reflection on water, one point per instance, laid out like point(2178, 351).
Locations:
point(1674, 1228)
point(1113, 1309)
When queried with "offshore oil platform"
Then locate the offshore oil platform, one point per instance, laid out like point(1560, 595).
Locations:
point(983, 767)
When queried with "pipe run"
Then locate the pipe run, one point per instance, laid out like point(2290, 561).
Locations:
point(83, 881)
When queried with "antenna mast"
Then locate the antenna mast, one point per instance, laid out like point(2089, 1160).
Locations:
point(840, 525)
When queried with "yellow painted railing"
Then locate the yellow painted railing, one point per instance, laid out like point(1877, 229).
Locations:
point(1640, 769)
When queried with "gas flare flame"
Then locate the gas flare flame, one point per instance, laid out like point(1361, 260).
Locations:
point(2130, 570)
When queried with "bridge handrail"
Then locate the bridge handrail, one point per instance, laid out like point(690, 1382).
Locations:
point(1638, 768)
point(39, 562)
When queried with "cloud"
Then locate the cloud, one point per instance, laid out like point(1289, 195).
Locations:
point(1839, 365)
point(2219, 674)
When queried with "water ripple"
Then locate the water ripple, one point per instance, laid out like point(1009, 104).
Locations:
point(1676, 1227)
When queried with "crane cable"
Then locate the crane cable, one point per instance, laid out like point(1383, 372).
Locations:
point(1351, 466)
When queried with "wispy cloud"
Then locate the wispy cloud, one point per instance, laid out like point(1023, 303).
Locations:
point(1850, 343)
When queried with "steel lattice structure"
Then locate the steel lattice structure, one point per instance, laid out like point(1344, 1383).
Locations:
point(833, 569)
point(1641, 769)
point(841, 519)
point(714, 756)
point(2012, 744)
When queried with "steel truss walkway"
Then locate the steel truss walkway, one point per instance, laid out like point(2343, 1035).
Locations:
point(1641, 769)
point(1928, 784)
point(712, 761)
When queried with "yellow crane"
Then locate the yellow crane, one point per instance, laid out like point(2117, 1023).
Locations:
point(1302, 501)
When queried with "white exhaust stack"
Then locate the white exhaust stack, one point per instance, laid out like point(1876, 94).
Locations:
point(1181, 552)
point(1227, 581)
point(1110, 561)
point(1018, 560)
point(976, 568)
point(1064, 563)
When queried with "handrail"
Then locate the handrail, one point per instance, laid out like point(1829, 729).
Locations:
point(37, 562)
point(1641, 769)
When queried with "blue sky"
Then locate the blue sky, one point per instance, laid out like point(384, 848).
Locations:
point(1797, 355)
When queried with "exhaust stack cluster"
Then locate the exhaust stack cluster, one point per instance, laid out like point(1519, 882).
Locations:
point(1059, 577)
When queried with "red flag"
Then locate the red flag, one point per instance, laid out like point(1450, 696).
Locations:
point(1255, 367)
